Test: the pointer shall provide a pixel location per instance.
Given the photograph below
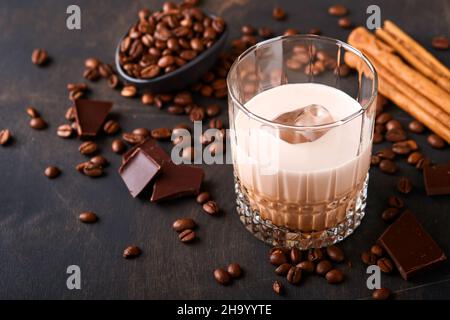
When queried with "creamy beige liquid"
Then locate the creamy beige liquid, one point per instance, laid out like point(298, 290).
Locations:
point(306, 186)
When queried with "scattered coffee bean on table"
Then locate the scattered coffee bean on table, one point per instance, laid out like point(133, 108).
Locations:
point(32, 112)
point(203, 197)
point(88, 217)
point(5, 137)
point(335, 253)
point(129, 91)
point(278, 13)
point(211, 207)
point(388, 166)
point(277, 287)
point(337, 10)
point(118, 146)
point(183, 224)
point(283, 269)
point(323, 267)
point(234, 270)
point(377, 250)
point(369, 258)
point(38, 123)
point(99, 161)
point(385, 265)
point(88, 147)
point(440, 42)
point(52, 172)
point(315, 255)
point(39, 57)
point(396, 202)
point(295, 255)
point(334, 276)
point(416, 126)
point(64, 131)
point(414, 158)
point(381, 294)
point(277, 257)
point(306, 266)
point(222, 276)
point(435, 141)
point(131, 252)
point(404, 185)
point(92, 170)
point(111, 127)
point(345, 23)
point(187, 235)
point(294, 275)
point(390, 214)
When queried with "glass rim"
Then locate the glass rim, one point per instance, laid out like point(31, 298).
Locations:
point(333, 124)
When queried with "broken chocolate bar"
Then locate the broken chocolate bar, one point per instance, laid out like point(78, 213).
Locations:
point(176, 181)
point(138, 171)
point(411, 248)
point(151, 147)
point(90, 115)
point(437, 179)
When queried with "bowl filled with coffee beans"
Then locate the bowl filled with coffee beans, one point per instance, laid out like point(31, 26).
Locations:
point(171, 48)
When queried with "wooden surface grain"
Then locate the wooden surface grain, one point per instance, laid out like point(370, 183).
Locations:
point(39, 232)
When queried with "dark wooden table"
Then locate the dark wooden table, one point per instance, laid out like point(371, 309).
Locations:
point(40, 234)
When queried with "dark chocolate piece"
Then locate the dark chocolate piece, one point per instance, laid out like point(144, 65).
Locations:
point(138, 171)
point(437, 179)
point(410, 246)
point(151, 147)
point(90, 115)
point(176, 181)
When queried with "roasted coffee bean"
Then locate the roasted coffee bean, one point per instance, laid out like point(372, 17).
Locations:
point(222, 276)
point(386, 153)
point(99, 161)
point(32, 112)
point(38, 123)
point(187, 235)
point(390, 214)
point(183, 224)
point(265, 32)
point(423, 162)
point(234, 270)
point(39, 57)
point(70, 114)
point(91, 63)
point(404, 185)
point(414, 158)
point(369, 258)
point(377, 250)
point(183, 99)
point(388, 166)
point(337, 10)
point(315, 255)
point(206, 91)
point(82, 86)
point(383, 118)
point(393, 124)
point(435, 141)
point(203, 197)
point(381, 294)
point(175, 109)
point(306, 266)
point(395, 135)
point(277, 287)
point(129, 91)
point(411, 144)
point(148, 98)
point(294, 275)
point(290, 32)
point(216, 124)
point(396, 202)
point(278, 13)
point(88, 217)
point(88, 147)
point(52, 172)
point(277, 257)
point(111, 127)
point(105, 70)
point(334, 276)
point(385, 265)
point(377, 138)
point(416, 126)
point(375, 160)
point(323, 267)
point(315, 31)
point(212, 110)
point(143, 132)
point(296, 255)
point(335, 253)
point(64, 131)
point(402, 148)
point(118, 146)
point(161, 133)
point(132, 138)
point(197, 114)
point(132, 252)
point(211, 207)
point(345, 23)
point(283, 269)
point(80, 167)
point(91, 74)
point(113, 81)
point(247, 30)
point(284, 250)
point(5, 137)
point(440, 42)
point(92, 170)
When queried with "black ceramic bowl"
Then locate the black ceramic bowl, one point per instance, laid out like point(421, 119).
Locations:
point(181, 77)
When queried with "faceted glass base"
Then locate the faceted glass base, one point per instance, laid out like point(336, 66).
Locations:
point(266, 231)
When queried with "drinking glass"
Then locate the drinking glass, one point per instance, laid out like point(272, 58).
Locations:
point(311, 206)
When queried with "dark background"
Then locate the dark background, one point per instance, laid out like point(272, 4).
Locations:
point(40, 234)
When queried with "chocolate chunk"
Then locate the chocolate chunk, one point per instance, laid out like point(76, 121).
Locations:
point(176, 181)
point(138, 171)
point(90, 115)
point(411, 248)
point(437, 179)
point(150, 147)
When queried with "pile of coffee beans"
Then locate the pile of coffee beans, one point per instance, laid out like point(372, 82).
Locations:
point(185, 228)
point(209, 206)
point(295, 264)
point(163, 41)
point(226, 276)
